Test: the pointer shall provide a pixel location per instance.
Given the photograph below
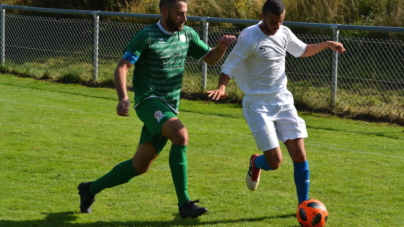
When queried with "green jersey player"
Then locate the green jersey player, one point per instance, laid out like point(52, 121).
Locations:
point(158, 53)
point(160, 67)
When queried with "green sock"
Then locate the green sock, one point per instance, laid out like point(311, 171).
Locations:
point(120, 174)
point(178, 166)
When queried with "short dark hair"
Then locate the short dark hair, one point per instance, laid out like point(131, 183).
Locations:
point(169, 3)
point(276, 7)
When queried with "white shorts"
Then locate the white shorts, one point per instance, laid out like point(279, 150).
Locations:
point(269, 124)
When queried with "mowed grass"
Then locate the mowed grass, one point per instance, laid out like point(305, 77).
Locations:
point(54, 136)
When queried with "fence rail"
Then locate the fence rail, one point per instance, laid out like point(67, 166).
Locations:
point(367, 81)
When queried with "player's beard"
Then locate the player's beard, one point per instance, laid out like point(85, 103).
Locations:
point(268, 30)
point(172, 25)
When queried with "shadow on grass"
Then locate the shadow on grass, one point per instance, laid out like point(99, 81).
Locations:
point(65, 219)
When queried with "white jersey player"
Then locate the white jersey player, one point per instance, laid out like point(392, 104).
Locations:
point(257, 63)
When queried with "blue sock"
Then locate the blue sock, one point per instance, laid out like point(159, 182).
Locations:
point(261, 162)
point(302, 180)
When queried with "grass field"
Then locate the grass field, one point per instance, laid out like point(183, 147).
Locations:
point(54, 136)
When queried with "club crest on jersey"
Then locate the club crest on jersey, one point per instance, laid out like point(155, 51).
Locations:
point(159, 115)
point(183, 38)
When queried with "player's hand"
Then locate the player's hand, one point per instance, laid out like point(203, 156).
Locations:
point(123, 108)
point(336, 46)
point(217, 94)
point(226, 40)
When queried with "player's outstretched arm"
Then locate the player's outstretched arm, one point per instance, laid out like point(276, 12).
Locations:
point(216, 53)
point(313, 49)
point(120, 85)
point(220, 92)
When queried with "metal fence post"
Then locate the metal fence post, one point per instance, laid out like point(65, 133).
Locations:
point(3, 36)
point(334, 67)
point(95, 48)
point(205, 30)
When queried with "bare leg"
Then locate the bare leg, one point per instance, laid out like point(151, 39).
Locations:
point(144, 157)
point(175, 131)
point(296, 149)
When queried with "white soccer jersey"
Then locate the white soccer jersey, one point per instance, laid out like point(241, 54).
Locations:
point(257, 62)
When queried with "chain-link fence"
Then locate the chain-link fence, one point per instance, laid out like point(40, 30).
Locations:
point(365, 82)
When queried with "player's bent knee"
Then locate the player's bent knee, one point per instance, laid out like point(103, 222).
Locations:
point(181, 138)
point(275, 165)
point(141, 165)
point(141, 169)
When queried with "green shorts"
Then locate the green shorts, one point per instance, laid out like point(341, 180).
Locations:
point(153, 112)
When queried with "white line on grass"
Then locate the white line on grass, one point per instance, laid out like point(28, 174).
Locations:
point(58, 107)
point(360, 152)
point(212, 130)
point(310, 144)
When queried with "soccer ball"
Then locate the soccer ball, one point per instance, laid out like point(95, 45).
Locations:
point(312, 213)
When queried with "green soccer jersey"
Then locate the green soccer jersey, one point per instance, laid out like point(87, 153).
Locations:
point(161, 60)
